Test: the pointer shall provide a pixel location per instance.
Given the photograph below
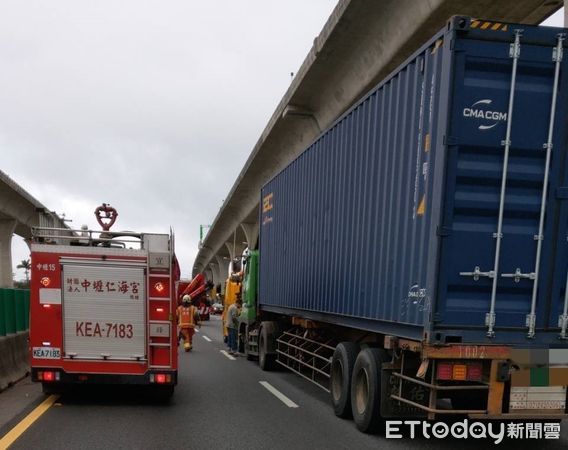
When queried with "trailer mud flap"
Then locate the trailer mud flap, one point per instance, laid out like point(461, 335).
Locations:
point(390, 384)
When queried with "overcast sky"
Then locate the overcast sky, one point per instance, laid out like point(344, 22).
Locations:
point(151, 106)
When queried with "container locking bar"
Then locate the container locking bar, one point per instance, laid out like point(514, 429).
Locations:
point(478, 273)
point(557, 57)
point(519, 274)
point(514, 52)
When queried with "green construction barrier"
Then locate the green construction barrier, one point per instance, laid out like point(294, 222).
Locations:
point(27, 315)
point(10, 311)
point(20, 307)
point(2, 320)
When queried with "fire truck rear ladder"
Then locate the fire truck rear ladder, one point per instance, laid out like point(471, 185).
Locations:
point(167, 278)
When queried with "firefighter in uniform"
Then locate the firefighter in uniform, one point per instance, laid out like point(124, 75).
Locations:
point(188, 319)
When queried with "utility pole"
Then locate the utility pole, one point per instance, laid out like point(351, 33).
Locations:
point(201, 228)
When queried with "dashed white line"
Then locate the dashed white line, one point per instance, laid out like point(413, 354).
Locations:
point(206, 338)
point(232, 358)
point(196, 330)
point(289, 403)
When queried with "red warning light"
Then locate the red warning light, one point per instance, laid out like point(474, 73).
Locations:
point(45, 281)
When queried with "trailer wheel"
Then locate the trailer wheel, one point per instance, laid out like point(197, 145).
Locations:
point(366, 389)
point(342, 364)
point(266, 337)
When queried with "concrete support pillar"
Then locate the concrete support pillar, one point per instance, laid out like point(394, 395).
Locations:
point(7, 228)
point(235, 251)
point(251, 233)
point(231, 249)
point(215, 272)
point(223, 271)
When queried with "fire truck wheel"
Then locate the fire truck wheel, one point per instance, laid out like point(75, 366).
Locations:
point(266, 337)
point(342, 364)
point(366, 389)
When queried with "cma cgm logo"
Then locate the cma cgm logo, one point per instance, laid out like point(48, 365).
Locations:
point(481, 109)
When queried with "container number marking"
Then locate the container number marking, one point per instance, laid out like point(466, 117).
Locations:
point(473, 351)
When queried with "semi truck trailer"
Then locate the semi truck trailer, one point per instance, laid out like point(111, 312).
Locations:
point(413, 260)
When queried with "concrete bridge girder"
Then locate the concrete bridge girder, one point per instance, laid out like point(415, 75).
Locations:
point(19, 212)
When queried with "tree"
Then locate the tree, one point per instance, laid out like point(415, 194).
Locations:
point(26, 265)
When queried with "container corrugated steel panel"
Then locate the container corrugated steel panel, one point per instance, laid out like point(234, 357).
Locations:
point(374, 225)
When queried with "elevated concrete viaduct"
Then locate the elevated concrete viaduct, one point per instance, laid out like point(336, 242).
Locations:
point(19, 212)
point(361, 43)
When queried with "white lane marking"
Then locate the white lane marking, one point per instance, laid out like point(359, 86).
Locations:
point(206, 338)
point(196, 330)
point(289, 403)
point(232, 358)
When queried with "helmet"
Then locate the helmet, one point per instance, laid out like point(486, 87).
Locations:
point(186, 299)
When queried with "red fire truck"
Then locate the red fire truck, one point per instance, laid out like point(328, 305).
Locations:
point(102, 307)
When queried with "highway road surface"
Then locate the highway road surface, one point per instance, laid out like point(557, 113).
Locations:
point(220, 402)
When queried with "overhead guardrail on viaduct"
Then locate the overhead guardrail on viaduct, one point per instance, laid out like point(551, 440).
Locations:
point(361, 43)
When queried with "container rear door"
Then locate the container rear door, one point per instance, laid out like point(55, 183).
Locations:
point(104, 312)
point(482, 85)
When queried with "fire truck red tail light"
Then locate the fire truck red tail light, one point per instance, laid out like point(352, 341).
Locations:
point(160, 378)
point(48, 375)
point(45, 281)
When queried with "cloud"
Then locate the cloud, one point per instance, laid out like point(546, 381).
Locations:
point(152, 107)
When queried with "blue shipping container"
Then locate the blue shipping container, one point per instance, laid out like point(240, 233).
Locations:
point(418, 213)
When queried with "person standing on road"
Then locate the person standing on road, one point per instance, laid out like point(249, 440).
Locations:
point(188, 318)
point(231, 322)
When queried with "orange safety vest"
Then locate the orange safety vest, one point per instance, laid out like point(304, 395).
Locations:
point(186, 316)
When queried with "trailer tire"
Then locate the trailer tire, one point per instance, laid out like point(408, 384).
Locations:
point(366, 389)
point(342, 364)
point(266, 338)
